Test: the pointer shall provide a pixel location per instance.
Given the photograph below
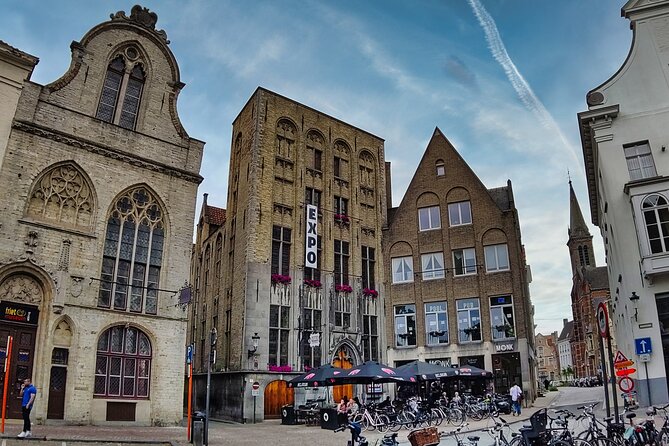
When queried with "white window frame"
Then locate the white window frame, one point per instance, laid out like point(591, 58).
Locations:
point(469, 311)
point(502, 306)
point(468, 269)
point(654, 205)
point(640, 163)
point(463, 218)
point(432, 311)
point(405, 331)
point(433, 272)
point(429, 218)
point(403, 263)
point(493, 256)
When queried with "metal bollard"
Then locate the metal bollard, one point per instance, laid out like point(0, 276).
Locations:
point(198, 433)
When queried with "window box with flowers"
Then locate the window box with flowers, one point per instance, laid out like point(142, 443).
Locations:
point(342, 219)
point(313, 283)
point(279, 368)
point(280, 279)
point(343, 289)
point(370, 292)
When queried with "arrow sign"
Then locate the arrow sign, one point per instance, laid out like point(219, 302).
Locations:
point(625, 372)
point(643, 346)
point(624, 364)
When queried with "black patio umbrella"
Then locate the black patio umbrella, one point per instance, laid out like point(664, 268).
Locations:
point(367, 373)
point(469, 371)
point(424, 371)
point(317, 377)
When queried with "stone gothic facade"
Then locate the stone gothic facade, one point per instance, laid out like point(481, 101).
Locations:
point(100, 180)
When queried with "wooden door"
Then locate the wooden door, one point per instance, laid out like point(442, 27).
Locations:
point(21, 365)
point(277, 395)
point(57, 384)
point(338, 392)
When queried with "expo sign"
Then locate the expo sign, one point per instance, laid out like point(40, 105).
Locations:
point(311, 251)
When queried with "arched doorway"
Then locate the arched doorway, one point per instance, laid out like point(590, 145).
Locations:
point(277, 395)
point(343, 359)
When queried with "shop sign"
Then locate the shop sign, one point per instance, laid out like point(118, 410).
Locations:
point(18, 313)
point(444, 362)
point(504, 347)
point(311, 239)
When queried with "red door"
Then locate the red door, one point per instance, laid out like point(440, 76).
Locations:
point(21, 365)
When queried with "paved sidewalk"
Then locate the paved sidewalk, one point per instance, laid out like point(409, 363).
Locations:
point(268, 433)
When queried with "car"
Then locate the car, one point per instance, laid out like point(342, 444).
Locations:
point(557, 383)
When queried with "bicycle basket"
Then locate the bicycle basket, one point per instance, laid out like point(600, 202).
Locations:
point(428, 436)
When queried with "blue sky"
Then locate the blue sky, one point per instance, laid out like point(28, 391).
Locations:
point(502, 79)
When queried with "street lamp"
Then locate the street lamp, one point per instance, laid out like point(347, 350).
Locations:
point(212, 358)
point(254, 339)
point(634, 298)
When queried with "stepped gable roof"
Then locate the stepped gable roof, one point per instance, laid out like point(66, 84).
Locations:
point(567, 330)
point(598, 277)
point(214, 215)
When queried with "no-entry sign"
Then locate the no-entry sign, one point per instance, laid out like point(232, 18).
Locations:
point(626, 384)
point(255, 388)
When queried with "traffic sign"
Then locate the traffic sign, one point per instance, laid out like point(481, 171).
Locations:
point(626, 384)
point(603, 320)
point(644, 357)
point(623, 364)
point(643, 345)
point(255, 389)
point(625, 371)
point(189, 353)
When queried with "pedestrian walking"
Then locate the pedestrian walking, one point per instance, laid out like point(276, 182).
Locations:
point(516, 397)
point(28, 393)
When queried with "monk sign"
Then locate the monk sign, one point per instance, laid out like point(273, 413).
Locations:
point(311, 251)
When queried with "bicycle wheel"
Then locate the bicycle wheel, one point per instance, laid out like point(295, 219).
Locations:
point(437, 417)
point(382, 423)
point(600, 441)
point(663, 439)
point(395, 423)
point(409, 420)
point(456, 417)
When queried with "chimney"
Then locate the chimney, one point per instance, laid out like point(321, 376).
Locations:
point(389, 187)
point(564, 322)
point(205, 198)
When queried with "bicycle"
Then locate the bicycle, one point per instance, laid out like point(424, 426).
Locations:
point(370, 419)
point(472, 440)
point(356, 438)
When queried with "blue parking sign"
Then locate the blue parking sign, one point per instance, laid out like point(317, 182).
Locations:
point(643, 346)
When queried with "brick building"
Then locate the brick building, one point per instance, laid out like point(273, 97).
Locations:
point(590, 286)
point(99, 179)
point(548, 359)
point(249, 267)
point(456, 279)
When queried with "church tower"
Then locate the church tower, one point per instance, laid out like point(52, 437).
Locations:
point(580, 239)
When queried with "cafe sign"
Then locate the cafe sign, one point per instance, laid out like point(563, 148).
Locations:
point(12, 312)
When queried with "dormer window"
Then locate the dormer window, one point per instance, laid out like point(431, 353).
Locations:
point(122, 92)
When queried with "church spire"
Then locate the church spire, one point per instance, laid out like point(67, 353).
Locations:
point(577, 226)
point(580, 240)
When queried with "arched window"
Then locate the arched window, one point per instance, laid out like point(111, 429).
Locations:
point(583, 255)
point(133, 253)
point(656, 216)
point(123, 363)
point(63, 194)
point(122, 90)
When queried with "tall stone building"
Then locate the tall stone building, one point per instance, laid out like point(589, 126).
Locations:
point(457, 285)
point(548, 359)
point(590, 287)
point(250, 268)
point(624, 136)
point(99, 179)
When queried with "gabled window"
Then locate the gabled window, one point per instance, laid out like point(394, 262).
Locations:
point(496, 258)
point(464, 262)
point(460, 213)
point(656, 216)
point(122, 92)
point(402, 269)
point(428, 218)
point(433, 266)
point(640, 161)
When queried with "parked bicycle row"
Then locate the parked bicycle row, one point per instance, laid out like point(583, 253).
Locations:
point(547, 428)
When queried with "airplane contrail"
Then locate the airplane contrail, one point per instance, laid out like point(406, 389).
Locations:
point(519, 83)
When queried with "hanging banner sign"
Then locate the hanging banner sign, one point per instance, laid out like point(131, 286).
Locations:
point(311, 240)
point(18, 313)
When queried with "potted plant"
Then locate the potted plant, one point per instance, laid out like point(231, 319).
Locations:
point(280, 279)
point(343, 288)
point(313, 283)
point(370, 292)
point(342, 218)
